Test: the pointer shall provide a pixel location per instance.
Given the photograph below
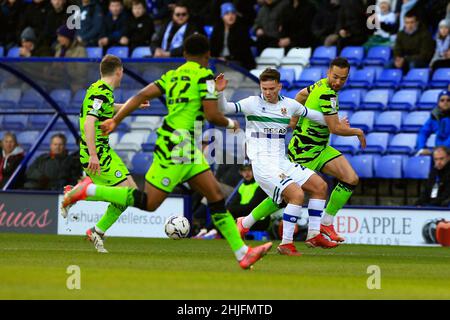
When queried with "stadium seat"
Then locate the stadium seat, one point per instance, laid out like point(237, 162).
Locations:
point(429, 99)
point(13, 52)
point(31, 99)
point(2, 51)
point(113, 139)
point(431, 141)
point(270, 56)
point(354, 54)
point(388, 121)
point(350, 99)
point(363, 78)
point(208, 30)
point(404, 143)
point(440, 78)
point(146, 123)
point(378, 56)
point(389, 78)
point(416, 78)
point(308, 77)
point(414, 121)
point(141, 162)
point(149, 144)
point(38, 122)
point(77, 100)
point(9, 98)
point(377, 142)
point(132, 141)
point(376, 99)
point(256, 72)
point(297, 56)
point(363, 120)
point(128, 93)
point(291, 93)
point(345, 114)
point(141, 52)
point(61, 125)
point(323, 55)
point(389, 167)
point(418, 167)
point(121, 52)
point(62, 97)
point(287, 77)
point(346, 144)
point(27, 138)
point(94, 52)
point(404, 100)
point(14, 122)
point(363, 165)
point(127, 158)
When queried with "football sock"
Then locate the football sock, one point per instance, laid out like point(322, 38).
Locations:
point(327, 219)
point(339, 197)
point(264, 209)
point(224, 221)
point(315, 208)
point(111, 215)
point(290, 216)
point(121, 196)
point(248, 221)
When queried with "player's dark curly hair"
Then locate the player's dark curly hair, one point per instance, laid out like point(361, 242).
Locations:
point(340, 63)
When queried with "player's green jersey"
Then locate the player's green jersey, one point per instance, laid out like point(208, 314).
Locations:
point(185, 88)
point(310, 138)
point(99, 103)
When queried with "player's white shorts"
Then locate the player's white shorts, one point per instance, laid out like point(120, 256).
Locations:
point(274, 175)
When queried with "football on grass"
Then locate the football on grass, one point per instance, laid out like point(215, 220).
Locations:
point(177, 227)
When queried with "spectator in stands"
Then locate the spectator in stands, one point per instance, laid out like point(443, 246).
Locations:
point(441, 57)
point(56, 16)
point(11, 155)
point(10, 12)
point(296, 22)
point(68, 46)
point(168, 42)
point(139, 29)
point(414, 45)
point(161, 12)
point(35, 16)
point(245, 11)
point(267, 23)
point(325, 22)
point(50, 171)
point(230, 39)
point(29, 47)
point(388, 25)
point(437, 188)
point(91, 23)
point(438, 123)
point(114, 26)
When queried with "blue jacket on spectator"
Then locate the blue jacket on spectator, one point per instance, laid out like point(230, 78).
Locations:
point(91, 23)
point(114, 29)
point(438, 123)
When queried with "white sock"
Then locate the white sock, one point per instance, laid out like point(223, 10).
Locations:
point(99, 231)
point(290, 216)
point(327, 219)
point(90, 191)
point(248, 221)
point(241, 252)
point(315, 208)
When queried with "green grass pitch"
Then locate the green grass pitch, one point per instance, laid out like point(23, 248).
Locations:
point(35, 266)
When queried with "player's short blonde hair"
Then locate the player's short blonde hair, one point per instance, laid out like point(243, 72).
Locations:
point(269, 74)
point(109, 65)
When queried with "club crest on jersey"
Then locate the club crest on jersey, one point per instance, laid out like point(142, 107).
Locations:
point(333, 104)
point(165, 182)
point(97, 104)
point(282, 176)
point(283, 111)
point(118, 174)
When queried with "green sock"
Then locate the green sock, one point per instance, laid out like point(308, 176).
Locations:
point(264, 209)
point(339, 197)
point(226, 225)
point(111, 215)
point(93, 198)
point(121, 196)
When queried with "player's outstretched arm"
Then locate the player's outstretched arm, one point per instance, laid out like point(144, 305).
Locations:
point(224, 105)
point(216, 117)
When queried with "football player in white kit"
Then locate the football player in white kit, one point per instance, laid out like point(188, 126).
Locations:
point(267, 122)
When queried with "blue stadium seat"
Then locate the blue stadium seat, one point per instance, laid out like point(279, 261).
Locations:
point(354, 54)
point(323, 55)
point(94, 52)
point(77, 100)
point(62, 97)
point(363, 78)
point(308, 77)
point(389, 78)
point(27, 138)
point(440, 78)
point(350, 99)
point(389, 121)
point(141, 162)
point(287, 77)
point(404, 100)
point(208, 30)
point(61, 125)
point(363, 165)
point(377, 142)
point(404, 143)
point(151, 75)
point(376, 99)
point(121, 52)
point(416, 78)
point(31, 99)
point(431, 141)
point(141, 52)
point(378, 56)
point(363, 120)
point(291, 93)
point(418, 167)
point(39, 121)
point(118, 95)
point(9, 98)
point(149, 144)
point(414, 121)
point(2, 51)
point(345, 113)
point(346, 144)
point(429, 99)
point(13, 52)
point(389, 167)
point(15, 122)
point(128, 93)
